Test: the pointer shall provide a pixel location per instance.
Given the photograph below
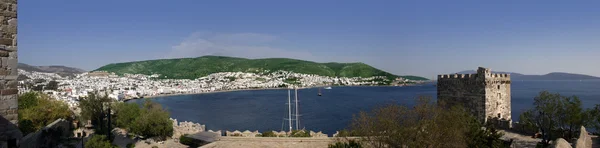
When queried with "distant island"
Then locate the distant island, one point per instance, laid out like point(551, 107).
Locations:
point(549, 76)
point(191, 68)
point(60, 70)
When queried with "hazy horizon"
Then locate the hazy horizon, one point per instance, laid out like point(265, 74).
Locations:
point(404, 38)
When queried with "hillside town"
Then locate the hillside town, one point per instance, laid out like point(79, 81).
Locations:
point(131, 86)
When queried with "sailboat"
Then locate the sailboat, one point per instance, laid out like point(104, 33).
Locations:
point(292, 115)
point(319, 92)
point(329, 87)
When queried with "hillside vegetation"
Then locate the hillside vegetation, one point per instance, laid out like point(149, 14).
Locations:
point(190, 68)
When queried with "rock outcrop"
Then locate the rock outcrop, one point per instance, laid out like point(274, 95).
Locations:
point(584, 140)
point(560, 143)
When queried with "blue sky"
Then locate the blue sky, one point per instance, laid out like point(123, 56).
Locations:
point(423, 38)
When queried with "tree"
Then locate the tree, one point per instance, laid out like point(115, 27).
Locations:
point(424, 125)
point(545, 114)
point(126, 113)
point(28, 100)
point(572, 116)
point(94, 108)
point(99, 141)
point(486, 137)
point(553, 113)
point(38, 110)
point(153, 122)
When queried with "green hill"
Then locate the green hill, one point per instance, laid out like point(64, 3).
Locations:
point(190, 68)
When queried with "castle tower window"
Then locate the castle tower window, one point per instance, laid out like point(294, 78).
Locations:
point(498, 86)
point(499, 116)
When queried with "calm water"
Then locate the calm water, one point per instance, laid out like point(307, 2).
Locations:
point(265, 109)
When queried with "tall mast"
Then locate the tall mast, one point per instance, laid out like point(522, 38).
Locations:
point(296, 89)
point(290, 109)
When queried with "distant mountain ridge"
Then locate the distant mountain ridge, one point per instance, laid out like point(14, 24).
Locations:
point(60, 70)
point(191, 68)
point(549, 76)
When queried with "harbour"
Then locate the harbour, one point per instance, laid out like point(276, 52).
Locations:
point(263, 110)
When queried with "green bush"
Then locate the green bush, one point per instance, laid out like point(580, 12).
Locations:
point(153, 122)
point(268, 134)
point(99, 141)
point(349, 144)
point(130, 145)
point(347, 133)
point(125, 114)
point(557, 116)
point(38, 110)
point(427, 124)
point(299, 133)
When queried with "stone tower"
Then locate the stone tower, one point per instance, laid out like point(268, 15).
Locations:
point(486, 95)
point(9, 133)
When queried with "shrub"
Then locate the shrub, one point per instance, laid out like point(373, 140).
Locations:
point(99, 141)
point(268, 134)
point(557, 116)
point(38, 110)
point(153, 122)
point(299, 133)
point(125, 114)
point(427, 124)
point(349, 144)
point(130, 145)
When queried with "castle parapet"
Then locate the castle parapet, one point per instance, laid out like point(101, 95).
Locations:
point(318, 134)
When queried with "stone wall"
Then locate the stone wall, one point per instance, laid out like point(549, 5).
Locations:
point(8, 74)
point(484, 94)
point(182, 128)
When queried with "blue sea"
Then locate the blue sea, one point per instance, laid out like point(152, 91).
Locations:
point(266, 109)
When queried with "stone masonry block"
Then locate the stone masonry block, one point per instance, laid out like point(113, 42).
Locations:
point(11, 48)
point(15, 41)
point(8, 102)
point(8, 29)
point(11, 84)
point(12, 55)
point(3, 62)
point(9, 77)
point(3, 53)
point(12, 22)
point(6, 41)
point(2, 84)
point(9, 14)
point(9, 1)
point(10, 91)
point(12, 62)
point(4, 72)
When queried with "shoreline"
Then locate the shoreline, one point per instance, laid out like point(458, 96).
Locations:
point(220, 91)
point(255, 89)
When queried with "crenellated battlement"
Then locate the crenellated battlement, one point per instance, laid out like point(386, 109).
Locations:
point(472, 76)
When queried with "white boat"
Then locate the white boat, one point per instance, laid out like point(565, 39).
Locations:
point(327, 87)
